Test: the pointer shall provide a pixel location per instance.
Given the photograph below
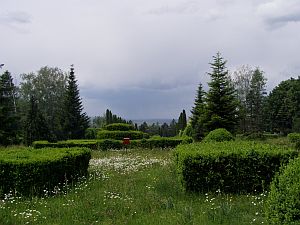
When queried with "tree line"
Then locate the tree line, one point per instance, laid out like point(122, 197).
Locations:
point(239, 103)
point(45, 106)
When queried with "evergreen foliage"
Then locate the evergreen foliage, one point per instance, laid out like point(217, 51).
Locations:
point(35, 124)
point(221, 98)
point(182, 121)
point(283, 107)
point(74, 121)
point(198, 115)
point(9, 124)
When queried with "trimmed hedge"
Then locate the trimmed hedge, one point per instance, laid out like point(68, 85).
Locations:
point(234, 167)
point(219, 135)
point(119, 135)
point(160, 142)
point(91, 144)
point(106, 144)
point(283, 202)
point(30, 171)
point(119, 127)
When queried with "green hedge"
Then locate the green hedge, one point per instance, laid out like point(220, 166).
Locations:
point(238, 167)
point(119, 135)
point(106, 144)
point(30, 171)
point(163, 142)
point(119, 127)
point(91, 144)
point(283, 203)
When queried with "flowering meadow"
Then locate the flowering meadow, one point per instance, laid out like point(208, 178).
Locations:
point(131, 187)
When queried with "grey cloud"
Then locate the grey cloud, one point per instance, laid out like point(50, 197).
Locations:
point(278, 13)
point(15, 18)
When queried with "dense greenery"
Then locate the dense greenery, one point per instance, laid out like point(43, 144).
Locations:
point(119, 135)
point(283, 107)
point(9, 125)
point(74, 121)
point(35, 127)
point(47, 86)
point(235, 167)
point(29, 171)
point(119, 127)
point(283, 203)
point(105, 144)
point(219, 135)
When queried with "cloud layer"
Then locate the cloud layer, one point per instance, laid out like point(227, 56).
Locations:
point(144, 59)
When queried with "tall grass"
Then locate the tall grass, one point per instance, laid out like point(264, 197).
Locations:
point(132, 187)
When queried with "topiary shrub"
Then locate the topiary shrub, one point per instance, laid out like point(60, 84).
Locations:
point(283, 202)
point(119, 135)
point(234, 167)
point(119, 127)
point(219, 135)
point(30, 171)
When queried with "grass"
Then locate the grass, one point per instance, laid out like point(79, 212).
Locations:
point(132, 187)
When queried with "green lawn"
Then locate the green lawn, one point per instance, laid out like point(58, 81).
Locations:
point(132, 187)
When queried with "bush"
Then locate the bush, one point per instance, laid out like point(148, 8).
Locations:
point(119, 135)
point(159, 142)
point(234, 167)
point(295, 138)
point(109, 144)
point(119, 127)
point(283, 202)
point(219, 135)
point(91, 133)
point(91, 144)
point(30, 171)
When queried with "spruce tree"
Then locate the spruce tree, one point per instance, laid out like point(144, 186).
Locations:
point(198, 115)
point(9, 124)
point(221, 98)
point(74, 121)
point(256, 101)
point(35, 124)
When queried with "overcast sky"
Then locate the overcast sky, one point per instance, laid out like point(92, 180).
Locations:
point(145, 59)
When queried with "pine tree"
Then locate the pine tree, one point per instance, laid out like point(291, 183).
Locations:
point(8, 111)
point(256, 100)
point(35, 124)
point(74, 121)
point(221, 98)
point(198, 115)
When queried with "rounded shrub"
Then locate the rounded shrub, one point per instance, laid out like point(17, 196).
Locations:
point(119, 127)
point(219, 135)
point(283, 203)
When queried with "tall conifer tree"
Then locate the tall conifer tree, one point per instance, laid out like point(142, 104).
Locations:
point(8, 112)
point(198, 115)
point(75, 122)
point(221, 98)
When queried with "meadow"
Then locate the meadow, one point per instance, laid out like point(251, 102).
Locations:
point(132, 187)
